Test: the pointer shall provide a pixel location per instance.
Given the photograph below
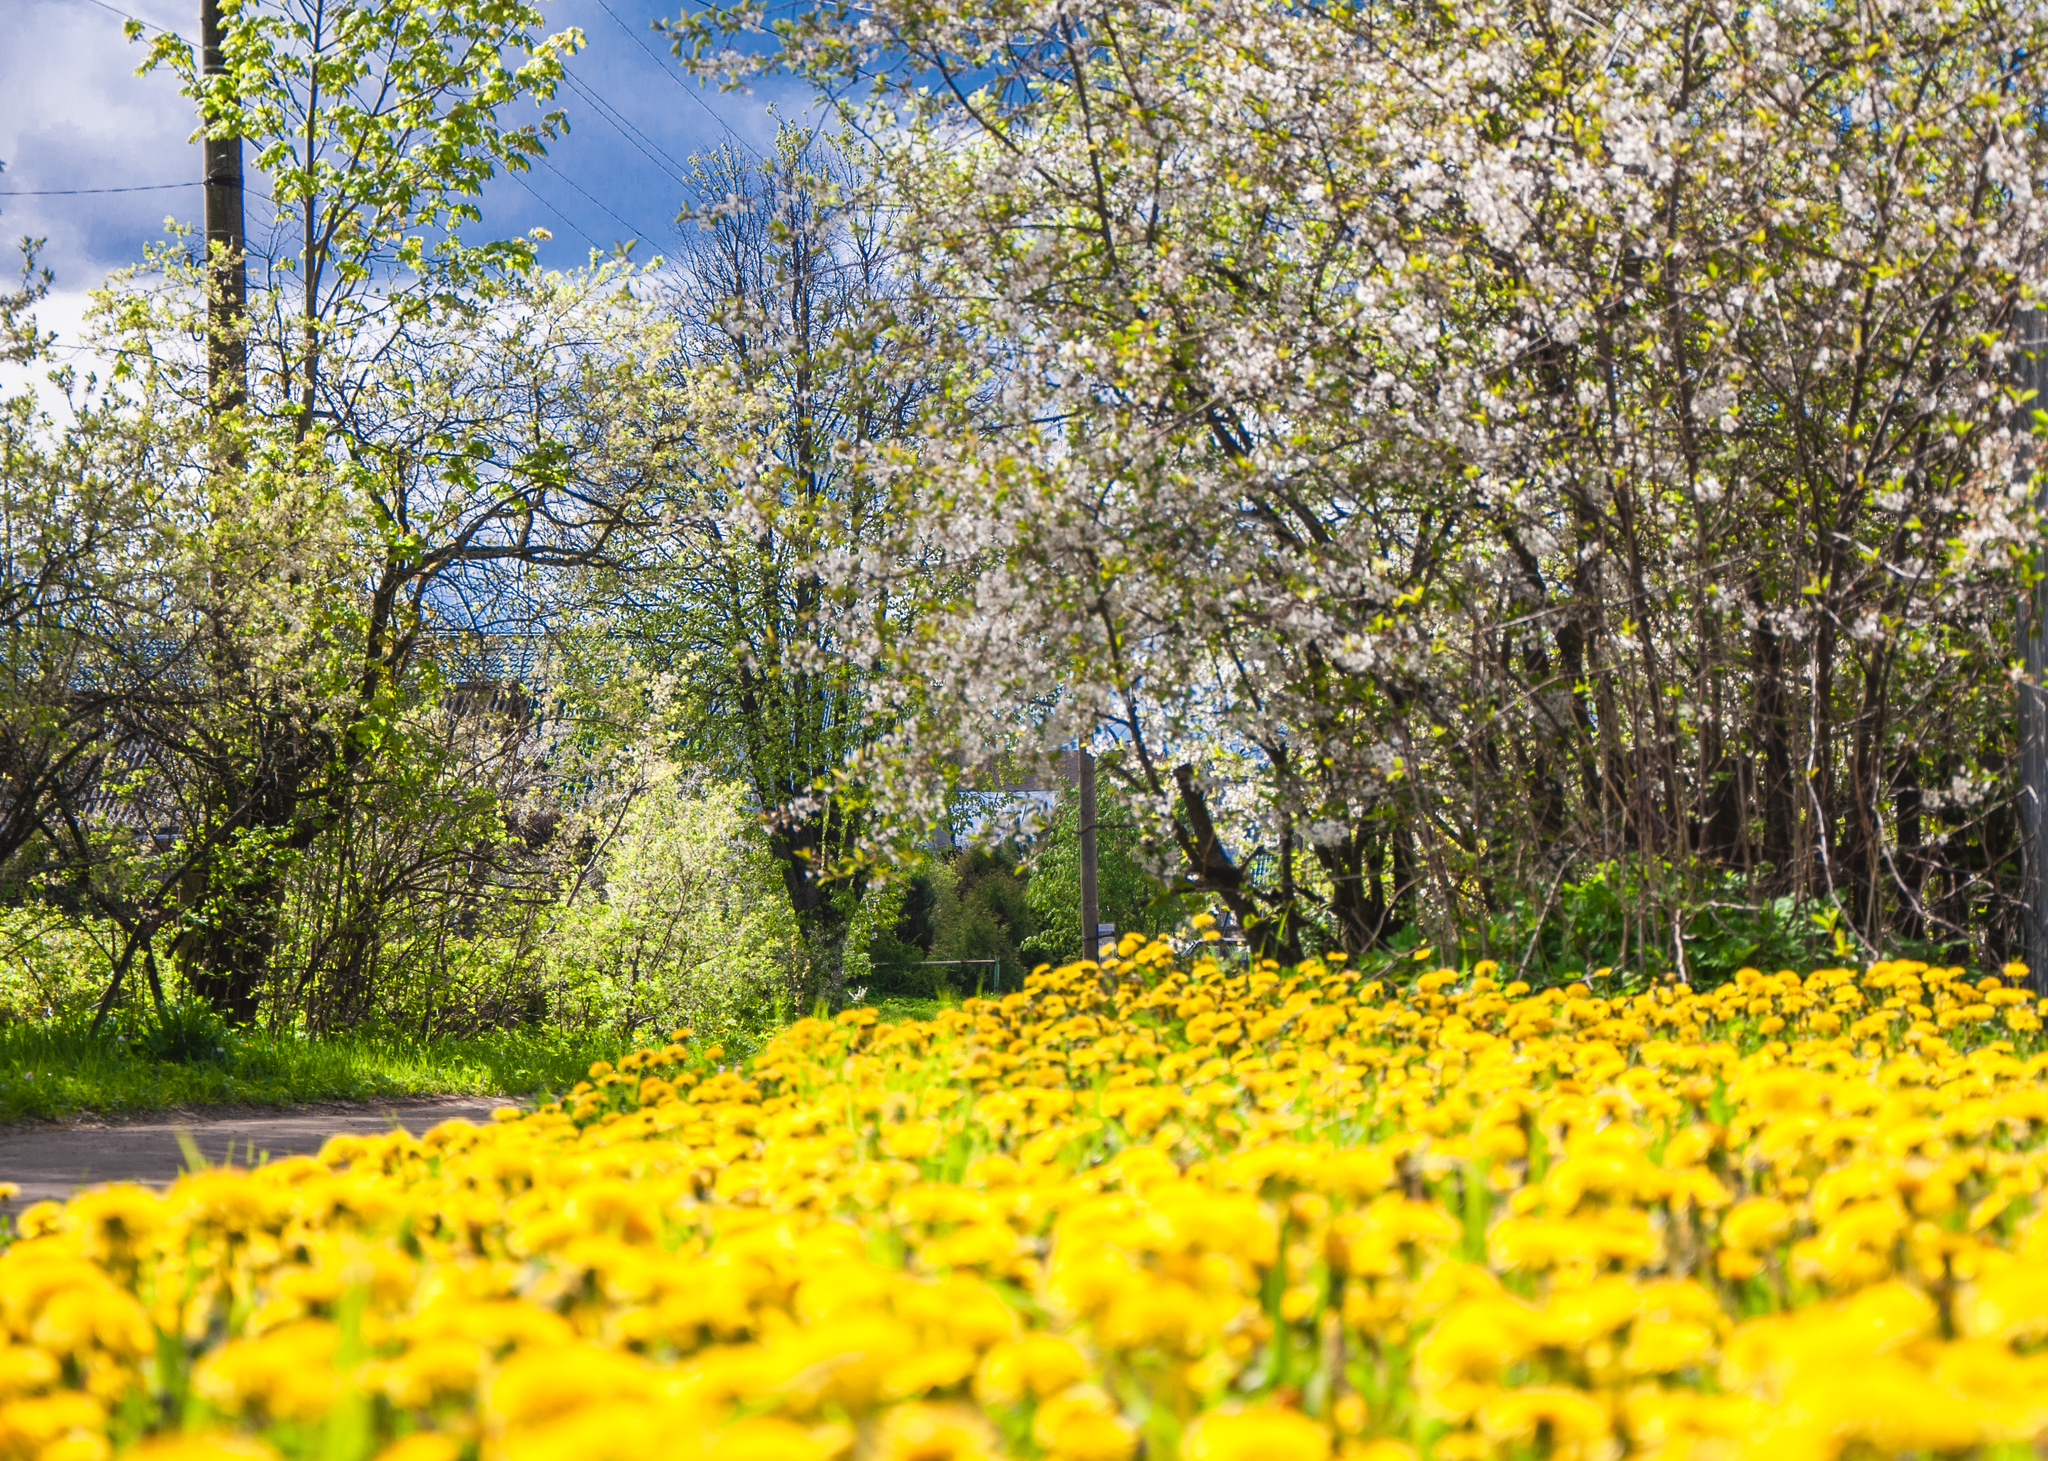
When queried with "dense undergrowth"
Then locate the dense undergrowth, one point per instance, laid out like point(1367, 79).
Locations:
point(1148, 1210)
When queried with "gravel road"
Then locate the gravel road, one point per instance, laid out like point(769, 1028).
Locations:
point(51, 1159)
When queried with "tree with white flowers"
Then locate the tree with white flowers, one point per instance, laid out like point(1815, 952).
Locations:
point(803, 362)
point(1453, 450)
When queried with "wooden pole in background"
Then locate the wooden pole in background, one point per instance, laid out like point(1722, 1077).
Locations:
point(2032, 372)
point(1091, 913)
point(227, 354)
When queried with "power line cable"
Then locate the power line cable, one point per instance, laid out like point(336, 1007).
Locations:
point(574, 227)
point(688, 90)
point(259, 193)
point(623, 125)
point(81, 192)
point(113, 10)
point(595, 203)
point(139, 188)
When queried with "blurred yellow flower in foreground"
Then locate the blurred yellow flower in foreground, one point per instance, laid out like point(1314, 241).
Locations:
point(1142, 1210)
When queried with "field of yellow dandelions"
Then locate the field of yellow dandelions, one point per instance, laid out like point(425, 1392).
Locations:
point(1143, 1211)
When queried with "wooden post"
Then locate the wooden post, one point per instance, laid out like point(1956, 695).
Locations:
point(227, 353)
point(1091, 912)
point(2031, 369)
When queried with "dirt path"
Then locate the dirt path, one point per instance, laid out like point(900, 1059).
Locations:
point(49, 1159)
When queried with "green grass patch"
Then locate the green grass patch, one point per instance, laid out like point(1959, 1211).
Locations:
point(57, 1071)
point(895, 1010)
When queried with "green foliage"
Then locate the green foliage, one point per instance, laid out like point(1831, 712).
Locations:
point(1613, 925)
point(907, 927)
point(678, 919)
point(903, 1009)
point(408, 410)
point(378, 126)
point(871, 927)
point(1600, 922)
point(21, 339)
point(53, 966)
point(796, 354)
point(973, 905)
point(990, 904)
point(984, 912)
point(1127, 892)
point(187, 1032)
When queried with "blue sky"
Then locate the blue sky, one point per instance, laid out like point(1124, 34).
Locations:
point(74, 116)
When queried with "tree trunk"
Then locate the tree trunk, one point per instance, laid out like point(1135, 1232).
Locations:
point(824, 913)
point(1770, 745)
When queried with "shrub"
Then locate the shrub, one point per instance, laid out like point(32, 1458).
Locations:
point(53, 965)
point(681, 919)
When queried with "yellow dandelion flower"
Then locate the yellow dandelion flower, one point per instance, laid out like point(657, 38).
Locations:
point(1263, 1433)
point(922, 1432)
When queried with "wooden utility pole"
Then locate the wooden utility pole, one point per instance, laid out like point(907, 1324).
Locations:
point(227, 298)
point(1091, 937)
point(2031, 370)
point(200, 948)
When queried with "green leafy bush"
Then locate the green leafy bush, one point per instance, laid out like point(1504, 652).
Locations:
point(680, 919)
point(53, 964)
point(188, 1032)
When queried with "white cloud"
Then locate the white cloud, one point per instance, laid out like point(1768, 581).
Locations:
point(73, 115)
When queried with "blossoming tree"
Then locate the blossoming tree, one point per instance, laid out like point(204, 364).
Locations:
point(1453, 449)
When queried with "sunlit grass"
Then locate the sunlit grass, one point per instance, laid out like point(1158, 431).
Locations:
point(894, 1009)
point(58, 1071)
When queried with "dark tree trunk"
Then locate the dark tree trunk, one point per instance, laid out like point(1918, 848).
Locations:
point(1771, 747)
